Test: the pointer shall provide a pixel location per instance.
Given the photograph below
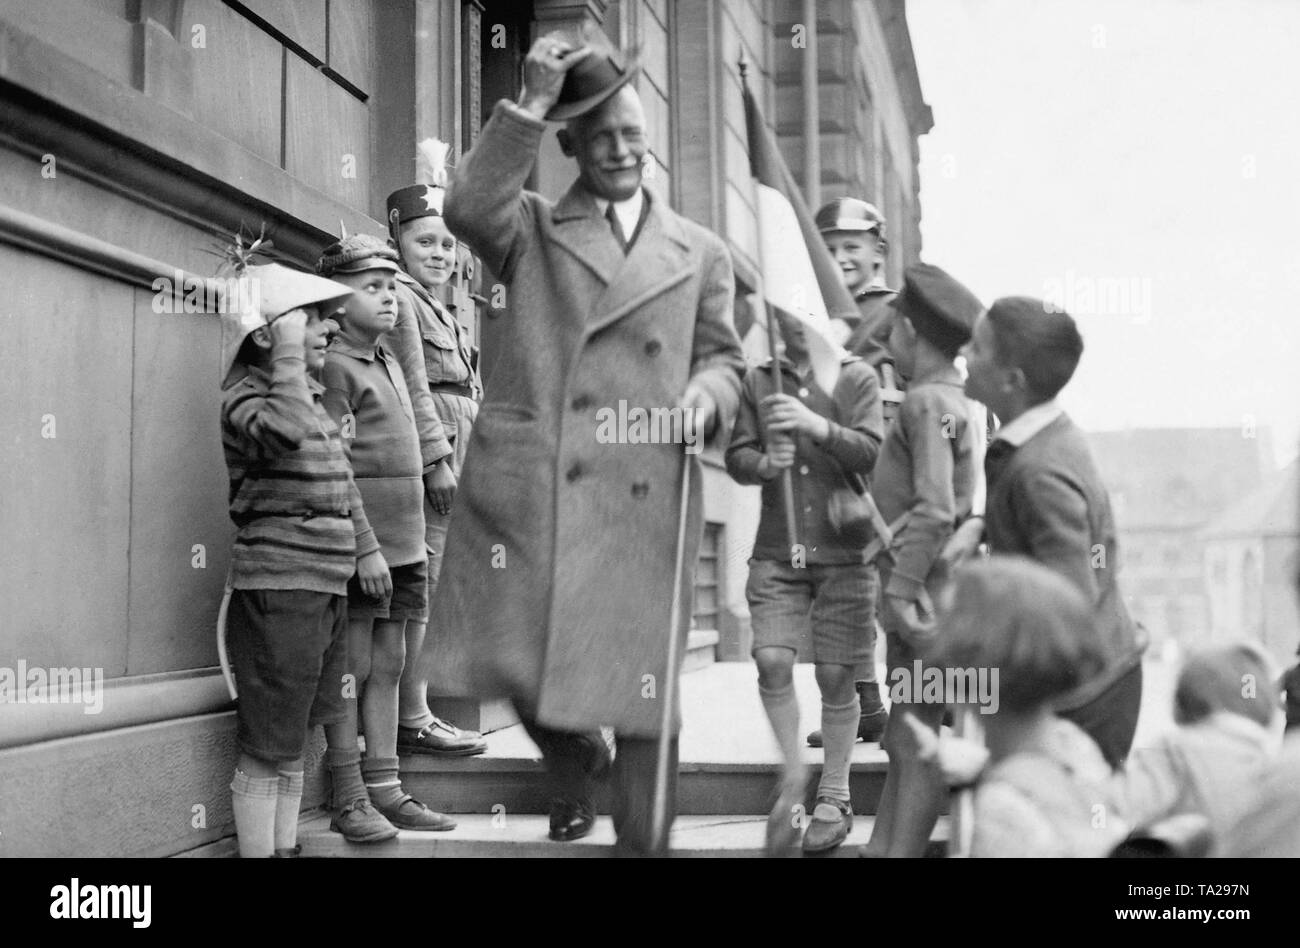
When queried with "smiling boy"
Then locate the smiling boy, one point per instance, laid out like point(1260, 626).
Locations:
point(437, 352)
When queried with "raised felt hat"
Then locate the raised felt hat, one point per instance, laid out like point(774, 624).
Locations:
point(356, 254)
point(592, 80)
point(425, 197)
point(263, 293)
point(849, 214)
point(940, 308)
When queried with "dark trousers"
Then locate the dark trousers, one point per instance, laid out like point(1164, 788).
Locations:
point(1111, 718)
point(576, 761)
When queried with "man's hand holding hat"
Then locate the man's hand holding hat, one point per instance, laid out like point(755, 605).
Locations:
point(547, 63)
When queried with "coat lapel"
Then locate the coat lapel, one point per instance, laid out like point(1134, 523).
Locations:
point(657, 262)
point(580, 229)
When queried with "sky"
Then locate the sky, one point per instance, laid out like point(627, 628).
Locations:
point(1139, 164)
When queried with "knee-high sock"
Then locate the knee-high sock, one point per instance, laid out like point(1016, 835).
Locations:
point(839, 734)
point(345, 776)
point(382, 782)
point(253, 800)
point(288, 801)
point(783, 713)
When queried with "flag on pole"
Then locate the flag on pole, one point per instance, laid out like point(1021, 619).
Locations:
point(800, 279)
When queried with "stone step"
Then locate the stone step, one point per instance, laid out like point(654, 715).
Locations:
point(514, 781)
point(524, 836)
point(701, 649)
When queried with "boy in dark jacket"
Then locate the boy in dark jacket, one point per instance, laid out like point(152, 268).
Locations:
point(1046, 500)
point(824, 439)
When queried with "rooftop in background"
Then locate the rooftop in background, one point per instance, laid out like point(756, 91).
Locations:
point(1179, 478)
point(1269, 510)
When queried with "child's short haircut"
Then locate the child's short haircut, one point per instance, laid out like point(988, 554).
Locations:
point(1236, 678)
point(1025, 620)
point(1041, 341)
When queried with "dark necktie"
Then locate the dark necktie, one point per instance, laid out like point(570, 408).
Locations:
point(616, 226)
point(996, 458)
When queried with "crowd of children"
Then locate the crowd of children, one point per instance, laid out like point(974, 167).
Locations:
point(1055, 775)
point(347, 403)
point(348, 399)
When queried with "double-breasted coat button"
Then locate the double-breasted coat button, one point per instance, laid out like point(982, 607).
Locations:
point(804, 470)
point(640, 489)
point(653, 347)
point(581, 403)
point(803, 393)
point(573, 473)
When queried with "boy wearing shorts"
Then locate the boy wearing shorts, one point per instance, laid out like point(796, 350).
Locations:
point(826, 439)
point(300, 528)
point(366, 394)
point(437, 349)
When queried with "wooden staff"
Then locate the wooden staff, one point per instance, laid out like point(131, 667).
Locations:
point(659, 811)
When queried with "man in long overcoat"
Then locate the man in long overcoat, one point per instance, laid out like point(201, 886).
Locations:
point(558, 576)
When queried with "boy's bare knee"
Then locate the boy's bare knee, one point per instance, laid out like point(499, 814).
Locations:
point(775, 667)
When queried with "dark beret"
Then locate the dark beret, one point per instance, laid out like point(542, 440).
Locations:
point(941, 310)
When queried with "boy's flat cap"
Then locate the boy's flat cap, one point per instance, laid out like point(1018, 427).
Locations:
point(940, 308)
point(849, 214)
point(357, 253)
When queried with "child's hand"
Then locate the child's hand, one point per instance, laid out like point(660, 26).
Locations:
point(372, 573)
point(440, 486)
point(909, 618)
point(958, 760)
point(780, 452)
point(963, 543)
point(290, 329)
point(786, 413)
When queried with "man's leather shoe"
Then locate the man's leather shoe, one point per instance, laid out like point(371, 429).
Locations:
point(440, 739)
point(571, 819)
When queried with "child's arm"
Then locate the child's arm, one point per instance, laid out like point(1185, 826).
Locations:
point(407, 346)
point(1149, 786)
point(746, 460)
point(275, 423)
point(1054, 519)
point(931, 431)
point(372, 570)
point(855, 444)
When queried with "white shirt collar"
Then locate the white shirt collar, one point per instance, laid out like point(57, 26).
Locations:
point(629, 211)
point(1024, 427)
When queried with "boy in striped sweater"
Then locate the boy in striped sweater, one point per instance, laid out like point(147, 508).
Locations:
point(301, 534)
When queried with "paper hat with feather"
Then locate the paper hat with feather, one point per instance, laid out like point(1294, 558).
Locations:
point(425, 197)
point(261, 293)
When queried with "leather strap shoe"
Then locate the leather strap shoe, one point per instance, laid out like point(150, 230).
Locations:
point(440, 739)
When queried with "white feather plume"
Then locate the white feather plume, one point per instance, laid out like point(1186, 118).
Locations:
point(431, 162)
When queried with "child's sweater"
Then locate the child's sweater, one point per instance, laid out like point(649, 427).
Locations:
point(856, 424)
point(366, 394)
point(1054, 802)
point(292, 494)
point(1209, 768)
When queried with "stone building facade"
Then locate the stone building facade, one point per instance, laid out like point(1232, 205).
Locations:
point(135, 137)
